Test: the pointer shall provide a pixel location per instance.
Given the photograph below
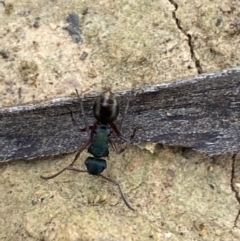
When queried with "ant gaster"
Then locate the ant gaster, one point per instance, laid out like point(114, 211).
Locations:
point(106, 110)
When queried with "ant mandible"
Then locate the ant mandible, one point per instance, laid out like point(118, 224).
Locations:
point(106, 110)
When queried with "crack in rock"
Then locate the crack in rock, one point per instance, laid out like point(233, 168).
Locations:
point(189, 37)
point(233, 184)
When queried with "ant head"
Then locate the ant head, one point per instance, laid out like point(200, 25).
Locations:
point(106, 108)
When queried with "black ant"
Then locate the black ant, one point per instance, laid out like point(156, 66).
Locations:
point(106, 110)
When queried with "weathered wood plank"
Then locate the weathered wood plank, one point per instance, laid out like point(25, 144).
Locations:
point(202, 112)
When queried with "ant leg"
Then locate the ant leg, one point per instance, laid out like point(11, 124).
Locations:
point(54, 175)
point(83, 113)
point(71, 168)
point(74, 120)
point(113, 144)
point(117, 132)
point(76, 124)
point(80, 151)
point(134, 132)
point(119, 188)
point(124, 114)
point(122, 121)
point(67, 168)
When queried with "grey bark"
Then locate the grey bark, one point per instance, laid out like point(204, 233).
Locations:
point(202, 113)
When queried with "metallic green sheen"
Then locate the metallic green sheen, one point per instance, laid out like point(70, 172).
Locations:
point(99, 146)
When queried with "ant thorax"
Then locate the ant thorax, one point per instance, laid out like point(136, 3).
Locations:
point(106, 108)
point(99, 146)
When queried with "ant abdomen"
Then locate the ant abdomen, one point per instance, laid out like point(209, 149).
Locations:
point(95, 165)
point(106, 108)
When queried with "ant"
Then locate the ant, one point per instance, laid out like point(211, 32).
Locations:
point(105, 110)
